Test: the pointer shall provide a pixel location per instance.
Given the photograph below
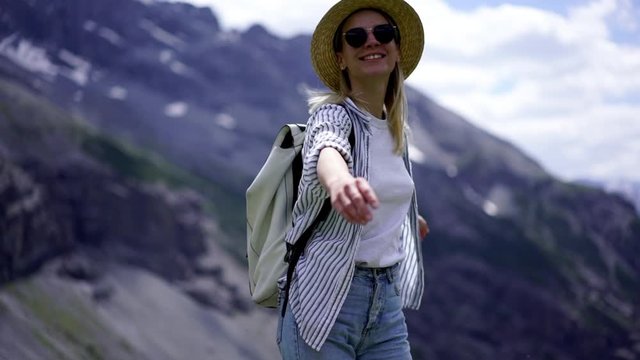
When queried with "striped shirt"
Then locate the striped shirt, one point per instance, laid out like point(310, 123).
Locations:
point(325, 269)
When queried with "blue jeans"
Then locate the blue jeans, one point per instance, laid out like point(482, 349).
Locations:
point(370, 325)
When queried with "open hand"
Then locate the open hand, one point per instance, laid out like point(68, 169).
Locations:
point(354, 199)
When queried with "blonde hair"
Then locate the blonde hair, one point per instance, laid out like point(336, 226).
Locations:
point(395, 103)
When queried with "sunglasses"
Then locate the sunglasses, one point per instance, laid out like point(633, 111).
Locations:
point(357, 37)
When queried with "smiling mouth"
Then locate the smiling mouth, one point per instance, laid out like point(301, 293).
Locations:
point(372, 57)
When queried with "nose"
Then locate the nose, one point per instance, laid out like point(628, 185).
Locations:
point(371, 39)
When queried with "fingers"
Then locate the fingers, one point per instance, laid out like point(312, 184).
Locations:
point(423, 227)
point(347, 206)
point(367, 193)
point(354, 200)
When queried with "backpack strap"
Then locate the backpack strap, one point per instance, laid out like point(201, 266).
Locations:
point(296, 250)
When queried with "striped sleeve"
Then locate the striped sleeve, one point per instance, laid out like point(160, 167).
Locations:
point(329, 126)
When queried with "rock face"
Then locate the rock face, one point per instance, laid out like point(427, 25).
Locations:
point(30, 233)
point(51, 207)
point(129, 131)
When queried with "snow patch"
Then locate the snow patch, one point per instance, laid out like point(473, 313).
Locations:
point(176, 109)
point(117, 93)
point(452, 171)
point(89, 25)
point(26, 55)
point(166, 56)
point(226, 121)
point(179, 68)
point(503, 201)
point(160, 34)
point(471, 195)
point(110, 35)
point(79, 68)
point(490, 208)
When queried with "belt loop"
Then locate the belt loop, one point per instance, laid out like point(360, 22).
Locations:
point(389, 272)
point(376, 274)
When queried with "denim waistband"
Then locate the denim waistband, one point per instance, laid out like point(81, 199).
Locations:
point(389, 272)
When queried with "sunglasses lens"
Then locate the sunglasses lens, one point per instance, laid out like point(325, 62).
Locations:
point(384, 33)
point(356, 37)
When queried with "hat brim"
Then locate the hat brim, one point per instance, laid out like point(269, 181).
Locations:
point(323, 56)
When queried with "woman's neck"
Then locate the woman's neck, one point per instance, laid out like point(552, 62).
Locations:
point(370, 98)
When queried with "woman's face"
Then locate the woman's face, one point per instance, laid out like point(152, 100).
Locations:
point(371, 61)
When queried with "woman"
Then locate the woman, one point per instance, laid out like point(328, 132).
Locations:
point(363, 264)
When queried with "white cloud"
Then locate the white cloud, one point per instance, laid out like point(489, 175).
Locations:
point(557, 86)
point(563, 87)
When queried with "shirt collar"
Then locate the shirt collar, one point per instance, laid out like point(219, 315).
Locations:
point(361, 113)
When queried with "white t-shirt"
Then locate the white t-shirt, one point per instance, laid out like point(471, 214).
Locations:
point(381, 243)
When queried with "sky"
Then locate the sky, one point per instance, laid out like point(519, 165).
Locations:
point(560, 79)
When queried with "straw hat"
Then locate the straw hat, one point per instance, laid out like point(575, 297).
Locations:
point(409, 25)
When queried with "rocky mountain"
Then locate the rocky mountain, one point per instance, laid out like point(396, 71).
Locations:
point(129, 131)
point(628, 189)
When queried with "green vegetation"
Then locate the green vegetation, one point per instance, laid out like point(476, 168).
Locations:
point(72, 320)
point(133, 163)
point(147, 167)
point(44, 340)
point(64, 319)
